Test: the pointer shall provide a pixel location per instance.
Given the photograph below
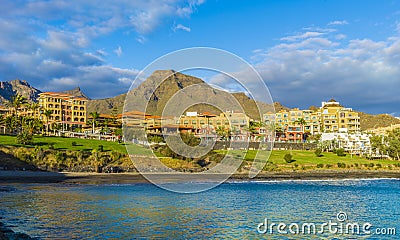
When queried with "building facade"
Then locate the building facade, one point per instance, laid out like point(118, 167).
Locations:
point(331, 117)
point(335, 117)
point(65, 109)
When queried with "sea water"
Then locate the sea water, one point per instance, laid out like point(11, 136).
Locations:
point(236, 210)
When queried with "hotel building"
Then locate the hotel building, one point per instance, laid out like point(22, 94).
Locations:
point(65, 109)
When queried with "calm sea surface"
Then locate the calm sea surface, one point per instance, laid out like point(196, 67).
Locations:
point(232, 210)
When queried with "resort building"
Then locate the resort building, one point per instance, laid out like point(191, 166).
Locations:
point(65, 109)
point(329, 118)
point(334, 117)
point(291, 133)
point(354, 143)
point(203, 125)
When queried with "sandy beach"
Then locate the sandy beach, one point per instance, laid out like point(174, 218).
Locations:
point(120, 178)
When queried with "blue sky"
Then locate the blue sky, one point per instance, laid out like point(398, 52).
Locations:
point(306, 51)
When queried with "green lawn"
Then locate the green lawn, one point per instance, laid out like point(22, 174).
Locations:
point(61, 143)
point(309, 160)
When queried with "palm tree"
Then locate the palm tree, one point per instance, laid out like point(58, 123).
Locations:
point(222, 132)
point(56, 126)
point(2, 123)
point(300, 121)
point(94, 115)
point(34, 106)
point(17, 101)
point(47, 113)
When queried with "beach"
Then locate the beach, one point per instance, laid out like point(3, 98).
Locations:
point(121, 178)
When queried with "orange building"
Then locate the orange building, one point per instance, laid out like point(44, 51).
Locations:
point(65, 109)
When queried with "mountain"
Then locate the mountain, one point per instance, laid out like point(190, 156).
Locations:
point(154, 97)
point(107, 105)
point(77, 93)
point(369, 121)
point(21, 87)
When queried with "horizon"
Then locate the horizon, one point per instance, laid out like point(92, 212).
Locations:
point(344, 49)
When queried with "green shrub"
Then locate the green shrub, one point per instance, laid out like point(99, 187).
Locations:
point(341, 165)
point(73, 144)
point(371, 165)
point(155, 139)
point(288, 158)
point(378, 165)
point(320, 165)
point(25, 138)
point(318, 152)
point(51, 145)
point(100, 148)
point(340, 152)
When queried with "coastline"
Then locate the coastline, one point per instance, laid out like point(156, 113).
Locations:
point(126, 178)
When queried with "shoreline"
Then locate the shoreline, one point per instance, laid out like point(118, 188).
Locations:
point(126, 178)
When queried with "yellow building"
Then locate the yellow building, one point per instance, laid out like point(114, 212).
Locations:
point(288, 118)
point(65, 109)
point(329, 118)
point(334, 117)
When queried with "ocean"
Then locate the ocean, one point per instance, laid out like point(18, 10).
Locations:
point(342, 209)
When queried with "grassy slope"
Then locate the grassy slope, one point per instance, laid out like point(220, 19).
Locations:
point(310, 161)
point(305, 159)
point(61, 143)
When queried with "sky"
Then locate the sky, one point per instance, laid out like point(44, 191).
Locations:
point(306, 51)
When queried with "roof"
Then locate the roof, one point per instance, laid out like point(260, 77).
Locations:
point(66, 96)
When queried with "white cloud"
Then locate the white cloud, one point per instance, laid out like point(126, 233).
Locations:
point(54, 56)
point(141, 39)
point(337, 22)
point(118, 51)
point(361, 73)
point(302, 36)
point(340, 36)
point(181, 27)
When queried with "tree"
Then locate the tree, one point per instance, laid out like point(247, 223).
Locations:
point(2, 121)
point(222, 133)
point(47, 113)
point(95, 116)
point(393, 143)
point(300, 121)
point(377, 143)
point(288, 158)
point(318, 152)
point(56, 126)
point(34, 106)
point(16, 102)
point(12, 123)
